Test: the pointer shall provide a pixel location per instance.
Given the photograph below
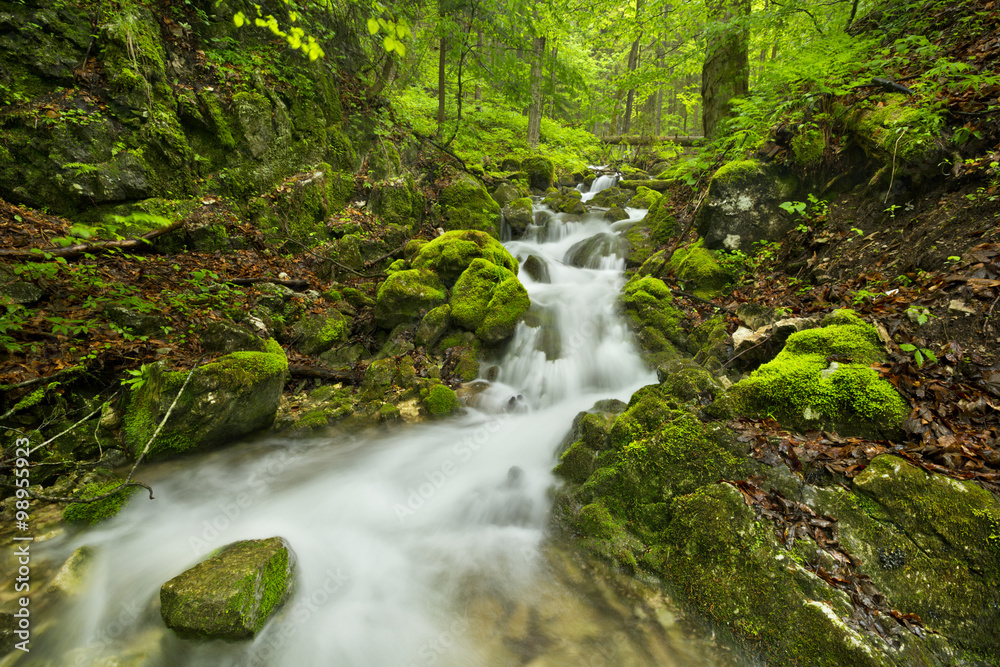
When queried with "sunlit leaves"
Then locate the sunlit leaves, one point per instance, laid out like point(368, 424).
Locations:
point(396, 32)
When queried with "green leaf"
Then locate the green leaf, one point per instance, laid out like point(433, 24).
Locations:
point(400, 49)
point(372, 26)
point(920, 359)
point(239, 19)
point(389, 43)
point(906, 347)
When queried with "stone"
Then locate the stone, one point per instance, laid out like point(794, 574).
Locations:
point(232, 594)
point(318, 333)
point(451, 253)
point(742, 206)
point(225, 337)
point(489, 300)
point(135, 322)
point(71, 579)
point(541, 172)
point(505, 193)
point(959, 306)
point(406, 296)
point(236, 395)
point(518, 215)
point(536, 268)
point(20, 292)
point(589, 253)
point(648, 307)
point(433, 326)
point(465, 204)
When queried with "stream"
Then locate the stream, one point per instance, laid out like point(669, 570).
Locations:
point(422, 545)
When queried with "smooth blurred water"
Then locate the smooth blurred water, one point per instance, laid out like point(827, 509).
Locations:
point(416, 547)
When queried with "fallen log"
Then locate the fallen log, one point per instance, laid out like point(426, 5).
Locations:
point(650, 141)
point(74, 251)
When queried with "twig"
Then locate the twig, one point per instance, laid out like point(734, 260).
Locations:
point(73, 251)
point(55, 437)
point(893, 176)
point(145, 450)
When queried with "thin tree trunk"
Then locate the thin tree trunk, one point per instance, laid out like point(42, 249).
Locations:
point(535, 108)
point(479, 87)
point(442, 82)
point(633, 62)
point(726, 72)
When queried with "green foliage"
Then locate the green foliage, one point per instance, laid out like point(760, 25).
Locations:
point(92, 513)
point(920, 354)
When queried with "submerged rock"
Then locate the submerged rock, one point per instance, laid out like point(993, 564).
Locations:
point(232, 594)
point(536, 267)
point(225, 400)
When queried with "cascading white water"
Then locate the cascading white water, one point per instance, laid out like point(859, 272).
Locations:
point(602, 182)
point(410, 545)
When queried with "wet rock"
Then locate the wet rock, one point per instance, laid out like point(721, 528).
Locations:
point(742, 206)
point(518, 215)
point(613, 196)
point(565, 201)
point(71, 579)
point(441, 401)
point(644, 198)
point(468, 392)
point(433, 326)
point(232, 594)
point(614, 214)
point(536, 267)
point(753, 348)
point(589, 252)
point(225, 400)
point(650, 314)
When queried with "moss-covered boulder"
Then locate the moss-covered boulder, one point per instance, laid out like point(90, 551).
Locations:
point(232, 594)
point(537, 268)
point(397, 202)
point(518, 215)
point(611, 197)
point(505, 193)
point(236, 395)
point(699, 271)
point(567, 200)
point(406, 296)
point(644, 198)
point(930, 544)
point(650, 314)
point(451, 253)
point(541, 172)
point(465, 204)
point(317, 334)
point(433, 326)
point(489, 300)
point(739, 576)
point(441, 401)
point(462, 349)
point(743, 205)
point(803, 390)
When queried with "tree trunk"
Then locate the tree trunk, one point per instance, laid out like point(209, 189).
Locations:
point(726, 72)
point(552, 79)
point(535, 108)
point(442, 82)
point(479, 87)
point(633, 62)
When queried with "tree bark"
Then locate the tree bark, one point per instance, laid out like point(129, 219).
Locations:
point(633, 63)
point(442, 83)
point(726, 71)
point(535, 108)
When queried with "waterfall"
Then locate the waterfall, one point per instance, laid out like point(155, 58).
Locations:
point(418, 546)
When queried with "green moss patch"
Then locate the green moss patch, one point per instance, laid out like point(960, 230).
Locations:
point(699, 271)
point(441, 401)
point(451, 253)
point(89, 514)
point(406, 295)
point(802, 390)
point(647, 304)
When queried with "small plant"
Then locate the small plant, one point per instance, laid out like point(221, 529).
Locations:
point(918, 315)
point(137, 378)
point(919, 354)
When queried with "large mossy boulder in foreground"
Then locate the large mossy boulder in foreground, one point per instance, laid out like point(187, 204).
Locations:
point(465, 204)
point(406, 296)
point(929, 542)
point(451, 253)
point(743, 206)
point(805, 388)
point(232, 594)
point(743, 579)
point(488, 300)
point(236, 395)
